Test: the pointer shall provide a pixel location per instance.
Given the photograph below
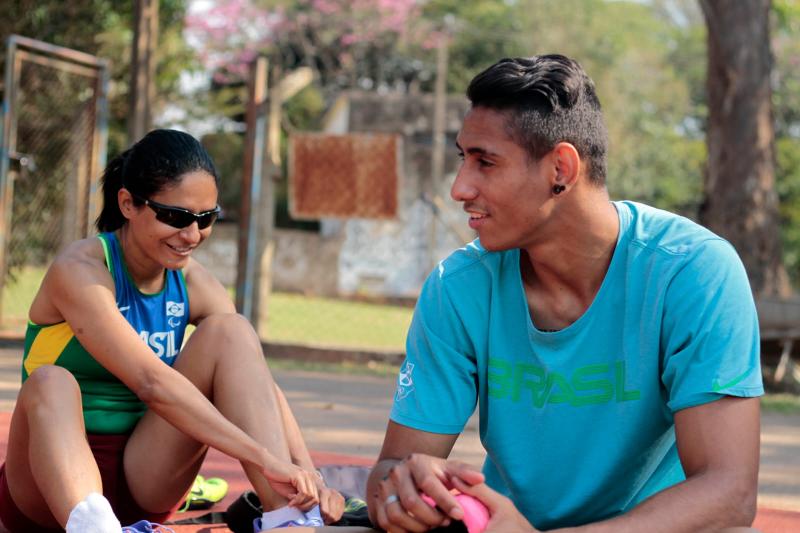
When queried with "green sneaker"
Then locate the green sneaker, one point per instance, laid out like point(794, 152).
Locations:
point(353, 504)
point(204, 493)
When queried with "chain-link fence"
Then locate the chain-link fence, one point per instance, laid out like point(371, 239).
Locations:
point(53, 149)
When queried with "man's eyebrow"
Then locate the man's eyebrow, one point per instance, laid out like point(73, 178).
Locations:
point(476, 150)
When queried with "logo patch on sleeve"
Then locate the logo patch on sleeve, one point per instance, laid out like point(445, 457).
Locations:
point(405, 383)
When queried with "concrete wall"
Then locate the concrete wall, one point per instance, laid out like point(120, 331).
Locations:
point(219, 253)
point(304, 261)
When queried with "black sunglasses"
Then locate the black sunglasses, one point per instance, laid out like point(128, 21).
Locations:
point(178, 217)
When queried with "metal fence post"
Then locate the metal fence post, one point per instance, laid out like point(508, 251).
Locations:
point(6, 189)
point(251, 189)
point(99, 143)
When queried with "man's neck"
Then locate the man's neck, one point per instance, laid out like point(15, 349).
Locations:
point(563, 273)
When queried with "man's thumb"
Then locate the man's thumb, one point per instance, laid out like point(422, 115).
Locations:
point(491, 499)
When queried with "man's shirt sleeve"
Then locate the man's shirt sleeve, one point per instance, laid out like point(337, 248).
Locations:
point(710, 338)
point(437, 384)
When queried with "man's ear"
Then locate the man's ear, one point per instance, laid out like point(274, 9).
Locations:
point(567, 162)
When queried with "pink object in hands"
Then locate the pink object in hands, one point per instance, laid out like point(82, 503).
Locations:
point(476, 515)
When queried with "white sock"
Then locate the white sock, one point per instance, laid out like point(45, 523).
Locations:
point(93, 515)
point(282, 516)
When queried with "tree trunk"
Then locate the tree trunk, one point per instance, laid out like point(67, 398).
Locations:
point(740, 202)
point(142, 90)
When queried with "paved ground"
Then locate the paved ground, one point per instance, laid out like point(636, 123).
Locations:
point(347, 414)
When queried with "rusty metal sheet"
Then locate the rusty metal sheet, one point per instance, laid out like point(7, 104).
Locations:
point(354, 175)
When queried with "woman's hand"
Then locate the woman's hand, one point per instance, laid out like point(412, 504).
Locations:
point(331, 505)
point(293, 483)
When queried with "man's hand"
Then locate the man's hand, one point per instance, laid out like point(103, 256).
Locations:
point(503, 515)
point(398, 506)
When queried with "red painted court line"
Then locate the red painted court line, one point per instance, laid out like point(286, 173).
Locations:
point(777, 521)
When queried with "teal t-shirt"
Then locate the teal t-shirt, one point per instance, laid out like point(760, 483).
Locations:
point(578, 423)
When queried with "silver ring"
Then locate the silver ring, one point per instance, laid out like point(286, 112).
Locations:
point(390, 499)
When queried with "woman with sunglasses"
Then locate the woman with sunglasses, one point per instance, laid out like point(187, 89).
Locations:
point(114, 417)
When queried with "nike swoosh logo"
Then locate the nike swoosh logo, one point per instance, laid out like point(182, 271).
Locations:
point(716, 387)
point(125, 308)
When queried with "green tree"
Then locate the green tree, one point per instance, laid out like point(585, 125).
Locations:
point(104, 28)
point(647, 58)
point(49, 115)
point(647, 62)
point(786, 108)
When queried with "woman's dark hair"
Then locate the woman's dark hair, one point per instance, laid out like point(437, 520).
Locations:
point(549, 99)
point(159, 160)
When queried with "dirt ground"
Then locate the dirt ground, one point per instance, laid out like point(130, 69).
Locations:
point(347, 414)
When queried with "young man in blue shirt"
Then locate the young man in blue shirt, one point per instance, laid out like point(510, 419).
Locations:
point(612, 348)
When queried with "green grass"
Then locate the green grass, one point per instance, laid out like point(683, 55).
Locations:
point(18, 296)
point(330, 322)
point(781, 403)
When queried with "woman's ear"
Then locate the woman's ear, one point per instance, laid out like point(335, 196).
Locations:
point(125, 202)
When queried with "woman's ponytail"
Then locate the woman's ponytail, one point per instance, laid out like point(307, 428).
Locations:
point(110, 218)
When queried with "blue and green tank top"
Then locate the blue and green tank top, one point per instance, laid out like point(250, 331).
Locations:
point(160, 320)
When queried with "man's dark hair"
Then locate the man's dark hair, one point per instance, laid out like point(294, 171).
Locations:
point(548, 99)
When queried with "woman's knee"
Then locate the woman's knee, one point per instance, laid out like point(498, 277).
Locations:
point(226, 330)
point(49, 387)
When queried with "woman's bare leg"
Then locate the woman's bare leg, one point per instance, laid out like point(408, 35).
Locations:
point(294, 438)
point(49, 465)
point(224, 360)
